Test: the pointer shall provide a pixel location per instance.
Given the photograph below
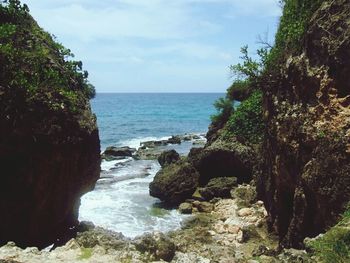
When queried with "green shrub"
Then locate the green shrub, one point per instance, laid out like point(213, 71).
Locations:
point(292, 26)
point(239, 90)
point(31, 59)
point(246, 121)
point(334, 245)
point(224, 108)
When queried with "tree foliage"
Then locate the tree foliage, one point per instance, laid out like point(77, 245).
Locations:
point(246, 121)
point(31, 60)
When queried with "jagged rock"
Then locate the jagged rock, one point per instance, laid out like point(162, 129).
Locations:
point(113, 152)
point(305, 183)
point(185, 208)
point(158, 245)
point(223, 158)
point(175, 183)
point(218, 187)
point(168, 157)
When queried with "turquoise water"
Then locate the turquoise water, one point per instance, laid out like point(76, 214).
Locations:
point(125, 117)
point(121, 200)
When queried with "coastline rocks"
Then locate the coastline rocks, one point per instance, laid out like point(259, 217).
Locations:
point(113, 153)
point(159, 246)
point(218, 187)
point(175, 183)
point(174, 140)
point(98, 236)
point(144, 153)
point(185, 208)
point(49, 158)
point(168, 157)
point(223, 159)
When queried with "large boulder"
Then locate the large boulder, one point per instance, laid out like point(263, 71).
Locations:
point(168, 157)
point(49, 142)
point(175, 183)
point(218, 187)
point(305, 184)
point(223, 158)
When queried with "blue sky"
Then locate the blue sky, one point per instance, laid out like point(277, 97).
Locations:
point(158, 45)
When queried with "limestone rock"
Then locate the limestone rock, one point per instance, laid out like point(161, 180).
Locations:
point(305, 182)
point(175, 183)
point(223, 159)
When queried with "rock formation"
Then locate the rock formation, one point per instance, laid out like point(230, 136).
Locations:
point(175, 183)
point(306, 183)
point(49, 143)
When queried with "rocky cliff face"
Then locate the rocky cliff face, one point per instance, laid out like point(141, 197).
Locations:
point(49, 143)
point(306, 179)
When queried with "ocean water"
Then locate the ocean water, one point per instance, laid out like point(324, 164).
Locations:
point(120, 200)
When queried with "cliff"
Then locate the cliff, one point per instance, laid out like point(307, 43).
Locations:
point(304, 104)
point(305, 184)
point(49, 143)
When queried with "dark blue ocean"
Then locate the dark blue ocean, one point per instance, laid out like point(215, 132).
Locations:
point(121, 200)
point(123, 117)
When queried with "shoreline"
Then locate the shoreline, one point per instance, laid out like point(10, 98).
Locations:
point(124, 183)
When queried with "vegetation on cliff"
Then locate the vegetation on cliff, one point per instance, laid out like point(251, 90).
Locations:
point(45, 64)
point(295, 102)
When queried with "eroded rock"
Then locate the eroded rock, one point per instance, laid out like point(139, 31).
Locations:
point(175, 183)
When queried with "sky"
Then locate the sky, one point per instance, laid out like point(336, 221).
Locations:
point(158, 45)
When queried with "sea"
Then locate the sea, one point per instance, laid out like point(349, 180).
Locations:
point(121, 200)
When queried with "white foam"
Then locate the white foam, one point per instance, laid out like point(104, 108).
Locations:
point(106, 166)
point(136, 142)
point(126, 206)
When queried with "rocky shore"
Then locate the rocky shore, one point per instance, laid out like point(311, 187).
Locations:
point(222, 230)
point(226, 222)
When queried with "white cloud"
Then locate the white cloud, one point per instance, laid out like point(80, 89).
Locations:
point(178, 37)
